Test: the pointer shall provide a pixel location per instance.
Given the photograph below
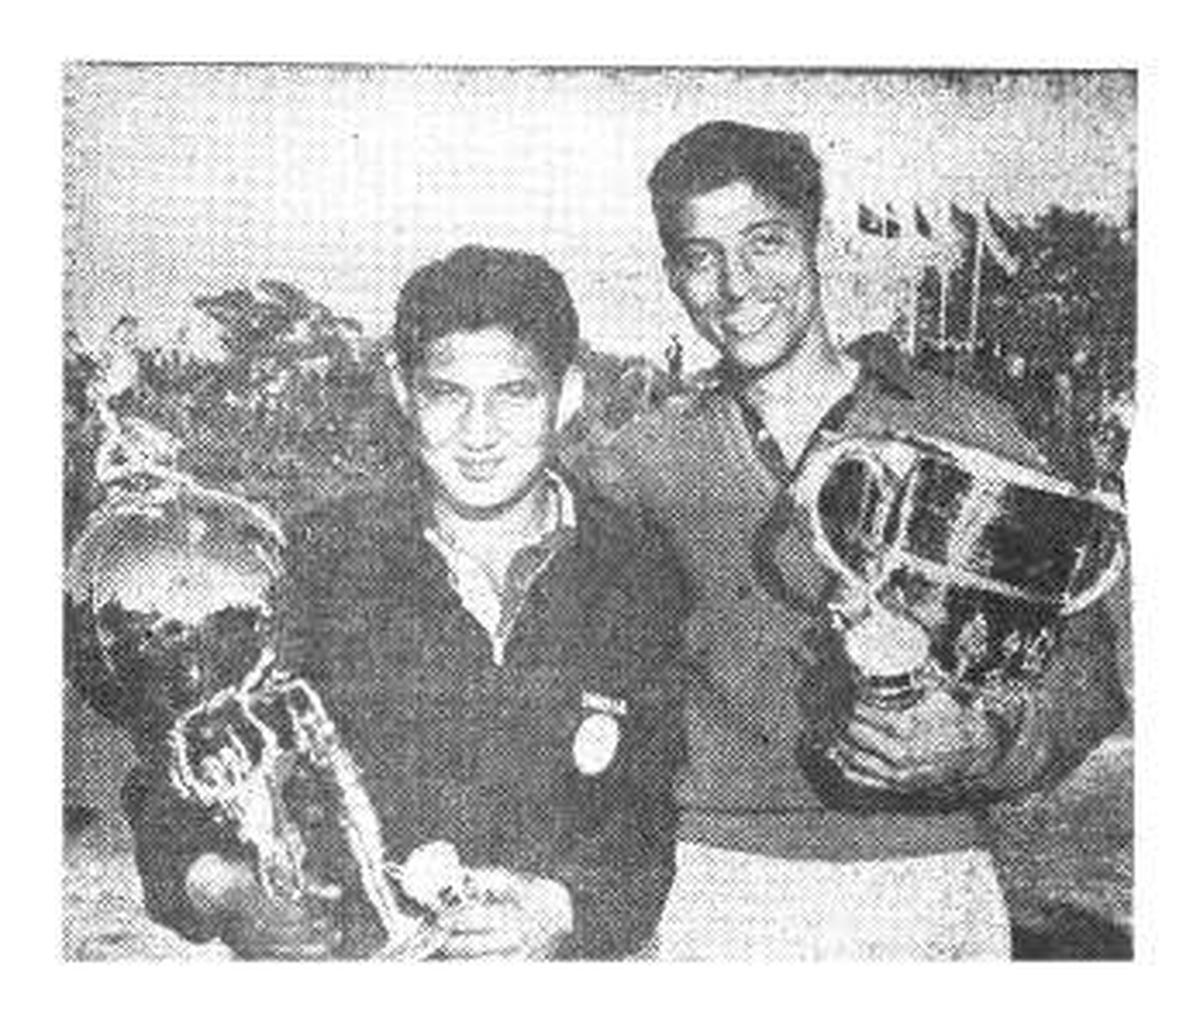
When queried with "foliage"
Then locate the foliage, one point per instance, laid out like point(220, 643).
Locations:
point(1076, 285)
point(291, 414)
point(297, 411)
point(1057, 339)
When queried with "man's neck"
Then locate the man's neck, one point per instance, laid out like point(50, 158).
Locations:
point(794, 396)
point(493, 540)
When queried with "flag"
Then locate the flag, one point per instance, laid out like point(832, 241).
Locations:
point(998, 239)
point(938, 251)
point(869, 222)
point(930, 241)
point(965, 224)
point(921, 223)
point(978, 228)
point(891, 226)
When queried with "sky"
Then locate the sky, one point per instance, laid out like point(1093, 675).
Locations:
point(185, 180)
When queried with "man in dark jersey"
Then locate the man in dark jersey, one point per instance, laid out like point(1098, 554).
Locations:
point(498, 645)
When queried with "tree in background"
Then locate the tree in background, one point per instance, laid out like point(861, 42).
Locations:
point(290, 414)
point(1057, 338)
point(296, 411)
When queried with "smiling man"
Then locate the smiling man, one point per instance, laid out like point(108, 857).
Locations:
point(498, 645)
point(777, 859)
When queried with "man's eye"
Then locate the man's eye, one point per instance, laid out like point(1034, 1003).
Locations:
point(769, 240)
point(525, 390)
point(437, 390)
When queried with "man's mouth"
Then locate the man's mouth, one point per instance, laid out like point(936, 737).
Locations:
point(748, 321)
point(479, 469)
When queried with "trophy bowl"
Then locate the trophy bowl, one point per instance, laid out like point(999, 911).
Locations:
point(953, 567)
point(168, 598)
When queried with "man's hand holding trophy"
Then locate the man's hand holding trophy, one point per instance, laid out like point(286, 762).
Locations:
point(955, 570)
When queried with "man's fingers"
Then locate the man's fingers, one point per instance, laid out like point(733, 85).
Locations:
point(862, 766)
point(483, 929)
point(849, 771)
point(474, 916)
point(264, 926)
point(286, 951)
point(479, 946)
point(896, 769)
point(251, 941)
point(905, 774)
point(881, 746)
point(475, 944)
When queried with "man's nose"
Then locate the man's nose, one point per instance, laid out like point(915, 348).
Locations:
point(737, 277)
point(478, 427)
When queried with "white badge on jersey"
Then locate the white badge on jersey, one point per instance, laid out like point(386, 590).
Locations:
point(596, 742)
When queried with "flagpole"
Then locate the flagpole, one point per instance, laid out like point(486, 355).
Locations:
point(943, 290)
point(912, 319)
point(975, 281)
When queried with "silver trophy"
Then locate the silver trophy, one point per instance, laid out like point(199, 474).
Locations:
point(169, 620)
point(168, 585)
point(954, 567)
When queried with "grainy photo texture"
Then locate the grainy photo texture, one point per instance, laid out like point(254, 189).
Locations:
point(597, 513)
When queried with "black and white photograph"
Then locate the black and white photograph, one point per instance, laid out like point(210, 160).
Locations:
point(603, 512)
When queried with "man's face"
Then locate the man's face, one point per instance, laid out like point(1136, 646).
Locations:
point(485, 411)
point(744, 267)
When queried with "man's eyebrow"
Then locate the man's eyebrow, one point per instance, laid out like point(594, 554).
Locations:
point(769, 222)
point(432, 377)
point(682, 239)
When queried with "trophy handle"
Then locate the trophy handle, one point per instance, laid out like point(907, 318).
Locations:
point(1100, 587)
point(881, 478)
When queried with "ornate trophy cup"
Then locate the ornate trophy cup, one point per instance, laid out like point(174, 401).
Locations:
point(168, 615)
point(955, 567)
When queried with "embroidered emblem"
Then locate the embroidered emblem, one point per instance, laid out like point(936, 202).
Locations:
point(606, 705)
point(595, 743)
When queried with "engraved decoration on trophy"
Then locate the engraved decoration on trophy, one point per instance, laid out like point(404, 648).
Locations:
point(169, 634)
point(954, 567)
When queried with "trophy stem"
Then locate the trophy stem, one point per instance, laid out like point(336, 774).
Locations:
point(363, 834)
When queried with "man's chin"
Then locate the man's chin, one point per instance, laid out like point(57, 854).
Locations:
point(755, 356)
point(487, 501)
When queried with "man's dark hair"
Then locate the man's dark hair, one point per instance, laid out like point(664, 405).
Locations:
point(781, 165)
point(477, 287)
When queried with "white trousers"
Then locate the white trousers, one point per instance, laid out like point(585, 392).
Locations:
point(728, 905)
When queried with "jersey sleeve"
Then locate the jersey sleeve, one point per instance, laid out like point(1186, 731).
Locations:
point(620, 862)
point(1078, 702)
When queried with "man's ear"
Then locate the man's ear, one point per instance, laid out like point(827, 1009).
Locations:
point(399, 387)
point(570, 396)
point(670, 271)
